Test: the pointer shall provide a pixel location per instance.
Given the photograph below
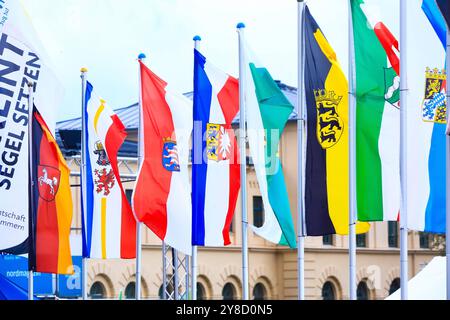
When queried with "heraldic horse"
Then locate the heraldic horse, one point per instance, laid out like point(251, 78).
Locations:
point(46, 180)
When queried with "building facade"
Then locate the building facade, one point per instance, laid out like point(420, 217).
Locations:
point(272, 269)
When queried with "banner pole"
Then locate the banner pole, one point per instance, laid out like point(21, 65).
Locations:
point(447, 172)
point(83, 172)
point(141, 58)
point(31, 181)
point(243, 149)
point(301, 234)
point(352, 160)
point(194, 266)
point(403, 153)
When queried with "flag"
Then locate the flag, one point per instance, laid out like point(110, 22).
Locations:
point(267, 111)
point(444, 7)
point(162, 195)
point(426, 103)
point(22, 59)
point(109, 227)
point(377, 118)
point(215, 168)
point(327, 143)
point(51, 218)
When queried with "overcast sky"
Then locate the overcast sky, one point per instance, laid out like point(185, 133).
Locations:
point(107, 35)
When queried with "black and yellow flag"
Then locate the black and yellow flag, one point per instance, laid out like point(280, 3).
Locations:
point(327, 154)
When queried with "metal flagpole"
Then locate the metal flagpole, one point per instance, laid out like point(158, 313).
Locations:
point(300, 127)
point(403, 149)
point(141, 58)
point(175, 274)
point(352, 160)
point(447, 202)
point(83, 171)
point(194, 267)
point(30, 169)
point(243, 148)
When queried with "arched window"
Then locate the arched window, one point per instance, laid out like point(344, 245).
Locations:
point(201, 292)
point(362, 291)
point(328, 291)
point(395, 285)
point(259, 292)
point(130, 290)
point(228, 292)
point(98, 290)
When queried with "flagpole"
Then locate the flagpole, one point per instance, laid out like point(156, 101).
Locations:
point(194, 266)
point(243, 149)
point(300, 128)
point(447, 172)
point(83, 172)
point(31, 172)
point(403, 149)
point(141, 58)
point(352, 160)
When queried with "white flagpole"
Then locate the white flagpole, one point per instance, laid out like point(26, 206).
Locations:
point(447, 202)
point(141, 58)
point(352, 160)
point(83, 172)
point(403, 149)
point(300, 127)
point(32, 182)
point(243, 148)
point(194, 266)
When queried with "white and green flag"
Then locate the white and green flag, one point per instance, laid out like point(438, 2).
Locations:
point(267, 111)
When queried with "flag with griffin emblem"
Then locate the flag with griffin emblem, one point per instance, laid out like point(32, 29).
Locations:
point(109, 227)
point(327, 146)
point(162, 195)
point(215, 167)
point(51, 218)
point(377, 116)
point(425, 149)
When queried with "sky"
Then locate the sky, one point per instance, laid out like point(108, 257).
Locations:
point(106, 36)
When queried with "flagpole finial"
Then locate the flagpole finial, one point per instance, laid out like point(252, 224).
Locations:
point(240, 25)
point(197, 38)
point(142, 56)
point(83, 70)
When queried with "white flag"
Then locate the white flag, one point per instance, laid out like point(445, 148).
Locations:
point(22, 59)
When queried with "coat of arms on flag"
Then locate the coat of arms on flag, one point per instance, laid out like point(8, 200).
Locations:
point(392, 87)
point(102, 157)
point(170, 158)
point(329, 125)
point(434, 105)
point(48, 181)
point(218, 143)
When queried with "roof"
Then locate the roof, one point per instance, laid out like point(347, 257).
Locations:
point(68, 132)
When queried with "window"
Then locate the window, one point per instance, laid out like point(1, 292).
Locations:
point(97, 291)
point(328, 291)
point(395, 285)
point(129, 194)
point(228, 292)
point(259, 292)
point(327, 240)
point(424, 238)
point(130, 290)
point(393, 234)
point(361, 240)
point(201, 292)
point(258, 211)
point(362, 291)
